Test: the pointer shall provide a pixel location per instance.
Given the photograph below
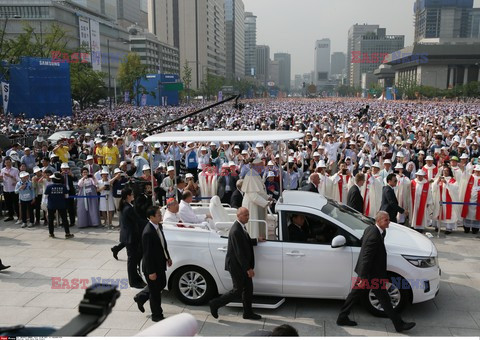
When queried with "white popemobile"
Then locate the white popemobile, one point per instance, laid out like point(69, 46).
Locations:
point(321, 268)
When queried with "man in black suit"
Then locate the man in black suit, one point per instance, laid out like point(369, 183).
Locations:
point(314, 182)
point(389, 200)
point(296, 231)
point(240, 262)
point(226, 184)
point(69, 179)
point(237, 196)
point(372, 274)
point(155, 261)
point(131, 236)
point(354, 197)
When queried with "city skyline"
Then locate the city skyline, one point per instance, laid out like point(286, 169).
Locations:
point(323, 19)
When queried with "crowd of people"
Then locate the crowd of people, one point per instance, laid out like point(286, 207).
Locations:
point(432, 147)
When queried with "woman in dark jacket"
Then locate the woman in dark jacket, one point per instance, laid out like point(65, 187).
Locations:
point(130, 236)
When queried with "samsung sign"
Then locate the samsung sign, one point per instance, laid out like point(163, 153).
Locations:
point(48, 63)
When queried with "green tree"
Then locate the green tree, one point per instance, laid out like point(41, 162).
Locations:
point(88, 86)
point(187, 77)
point(130, 74)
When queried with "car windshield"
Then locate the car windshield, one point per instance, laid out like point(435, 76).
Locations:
point(347, 216)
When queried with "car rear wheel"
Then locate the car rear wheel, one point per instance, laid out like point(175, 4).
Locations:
point(193, 285)
point(399, 297)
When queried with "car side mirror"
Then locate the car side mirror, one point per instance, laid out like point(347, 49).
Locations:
point(338, 241)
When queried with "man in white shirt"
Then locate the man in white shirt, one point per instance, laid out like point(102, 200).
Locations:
point(187, 214)
point(172, 216)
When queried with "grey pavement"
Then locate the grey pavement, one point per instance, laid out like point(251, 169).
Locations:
point(27, 297)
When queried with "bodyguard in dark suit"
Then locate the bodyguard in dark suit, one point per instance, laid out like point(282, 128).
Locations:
point(131, 237)
point(237, 196)
point(296, 230)
point(240, 262)
point(69, 179)
point(354, 197)
point(155, 261)
point(314, 182)
point(389, 200)
point(372, 267)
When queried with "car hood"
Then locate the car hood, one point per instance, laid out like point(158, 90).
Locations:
point(405, 241)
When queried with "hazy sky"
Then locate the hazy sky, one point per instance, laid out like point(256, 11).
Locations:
point(293, 26)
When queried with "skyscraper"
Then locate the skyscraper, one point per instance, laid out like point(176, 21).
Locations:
point(368, 46)
point(353, 33)
point(250, 44)
point(105, 7)
point(235, 38)
point(322, 62)
point(337, 65)
point(263, 60)
point(285, 69)
point(442, 19)
point(161, 18)
point(131, 13)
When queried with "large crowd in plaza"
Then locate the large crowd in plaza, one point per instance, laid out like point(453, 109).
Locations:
point(432, 147)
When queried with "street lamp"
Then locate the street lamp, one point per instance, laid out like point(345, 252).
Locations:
point(109, 70)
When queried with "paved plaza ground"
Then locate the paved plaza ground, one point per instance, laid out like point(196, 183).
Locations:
point(26, 296)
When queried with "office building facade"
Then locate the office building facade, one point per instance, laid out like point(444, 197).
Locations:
point(263, 61)
point(322, 62)
point(285, 70)
point(235, 38)
point(131, 13)
point(353, 34)
point(337, 65)
point(250, 44)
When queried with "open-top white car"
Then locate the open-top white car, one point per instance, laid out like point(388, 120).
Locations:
point(322, 268)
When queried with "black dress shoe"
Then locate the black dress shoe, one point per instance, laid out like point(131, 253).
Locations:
point(139, 285)
point(3, 267)
point(405, 326)
point(475, 230)
point(252, 316)
point(466, 230)
point(448, 232)
point(213, 310)
point(157, 318)
point(115, 253)
point(139, 304)
point(346, 322)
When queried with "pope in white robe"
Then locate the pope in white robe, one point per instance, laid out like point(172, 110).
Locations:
point(256, 200)
point(421, 200)
point(325, 185)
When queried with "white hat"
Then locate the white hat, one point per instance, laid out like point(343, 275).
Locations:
point(376, 165)
point(98, 140)
point(146, 167)
point(321, 147)
point(352, 142)
point(87, 134)
point(469, 137)
point(170, 168)
point(14, 156)
point(122, 163)
point(291, 160)
point(476, 167)
point(316, 154)
point(236, 147)
point(399, 166)
point(367, 165)
point(314, 139)
point(421, 152)
point(140, 145)
point(456, 139)
point(420, 172)
point(89, 157)
point(203, 148)
point(116, 171)
point(157, 146)
point(24, 174)
point(429, 158)
point(400, 154)
point(321, 164)
point(244, 152)
point(189, 175)
point(225, 165)
point(257, 160)
point(232, 163)
point(213, 144)
point(104, 171)
point(409, 141)
point(271, 174)
point(270, 163)
point(39, 139)
point(387, 161)
point(64, 166)
point(36, 169)
point(464, 156)
point(27, 148)
point(259, 145)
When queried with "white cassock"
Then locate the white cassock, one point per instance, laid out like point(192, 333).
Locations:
point(325, 186)
point(372, 195)
point(421, 200)
point(340, 186)
point(187, 215)
point(446, 215)
point(170, 218)
point(457, 173)
point(431, 171)
point(470, 194)
point(255, 199)
point(207, 181)
point(402, 191)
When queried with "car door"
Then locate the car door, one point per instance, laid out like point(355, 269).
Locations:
point(314, 268)
point(268, 265)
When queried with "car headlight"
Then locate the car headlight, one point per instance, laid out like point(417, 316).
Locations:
point(421, 261)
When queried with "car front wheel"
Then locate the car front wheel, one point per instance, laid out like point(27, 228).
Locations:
point(193, 285)
point(399, 297)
